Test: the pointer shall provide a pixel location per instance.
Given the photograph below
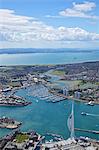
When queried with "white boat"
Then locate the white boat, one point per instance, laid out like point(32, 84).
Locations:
point(83, 113)
point(90, 103)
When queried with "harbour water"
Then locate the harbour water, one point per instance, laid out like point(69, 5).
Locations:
point(48, 117)
point(42, 116)
point(48, 58)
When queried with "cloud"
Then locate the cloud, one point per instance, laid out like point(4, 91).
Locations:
point(86, 6)
point(82, 10)
point(18, 28)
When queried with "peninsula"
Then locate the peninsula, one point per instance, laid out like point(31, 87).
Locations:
point(9, 123)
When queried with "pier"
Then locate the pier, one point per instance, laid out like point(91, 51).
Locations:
point(86, 130)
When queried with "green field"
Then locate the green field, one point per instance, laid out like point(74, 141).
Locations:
point(21, 138)
point(58, 72)
point(72, 84)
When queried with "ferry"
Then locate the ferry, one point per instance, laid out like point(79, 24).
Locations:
point(83, 113)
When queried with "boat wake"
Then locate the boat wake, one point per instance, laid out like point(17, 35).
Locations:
point(94, 115)
point(88, 114)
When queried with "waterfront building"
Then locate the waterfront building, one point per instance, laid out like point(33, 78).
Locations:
point(77, 94)
point(65, 91)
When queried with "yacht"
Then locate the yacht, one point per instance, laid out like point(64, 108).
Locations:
point(90, 103)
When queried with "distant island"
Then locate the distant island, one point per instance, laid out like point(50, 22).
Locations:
point(43, 50)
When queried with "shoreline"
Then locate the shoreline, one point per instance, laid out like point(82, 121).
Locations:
point(72, 98)
point(16, 105)
point(49, 64)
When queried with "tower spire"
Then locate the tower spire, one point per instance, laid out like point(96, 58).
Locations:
point(70, 122)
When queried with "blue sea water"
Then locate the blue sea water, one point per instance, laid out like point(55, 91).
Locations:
point(46, 117)
point(48, 58)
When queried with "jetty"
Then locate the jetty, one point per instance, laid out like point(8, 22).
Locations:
point(86, 130)
point(54, 135)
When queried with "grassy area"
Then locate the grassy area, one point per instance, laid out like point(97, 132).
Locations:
point(21, 138)
point(58, 72)
point(71, 84)
point(88, 85)
point(15, 84)
point(97, 83)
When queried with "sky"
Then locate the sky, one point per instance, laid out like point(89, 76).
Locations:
point(49, 24)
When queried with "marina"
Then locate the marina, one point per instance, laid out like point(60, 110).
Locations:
point(42, 92)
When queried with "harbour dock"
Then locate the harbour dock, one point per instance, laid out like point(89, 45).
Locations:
point(71, 97)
